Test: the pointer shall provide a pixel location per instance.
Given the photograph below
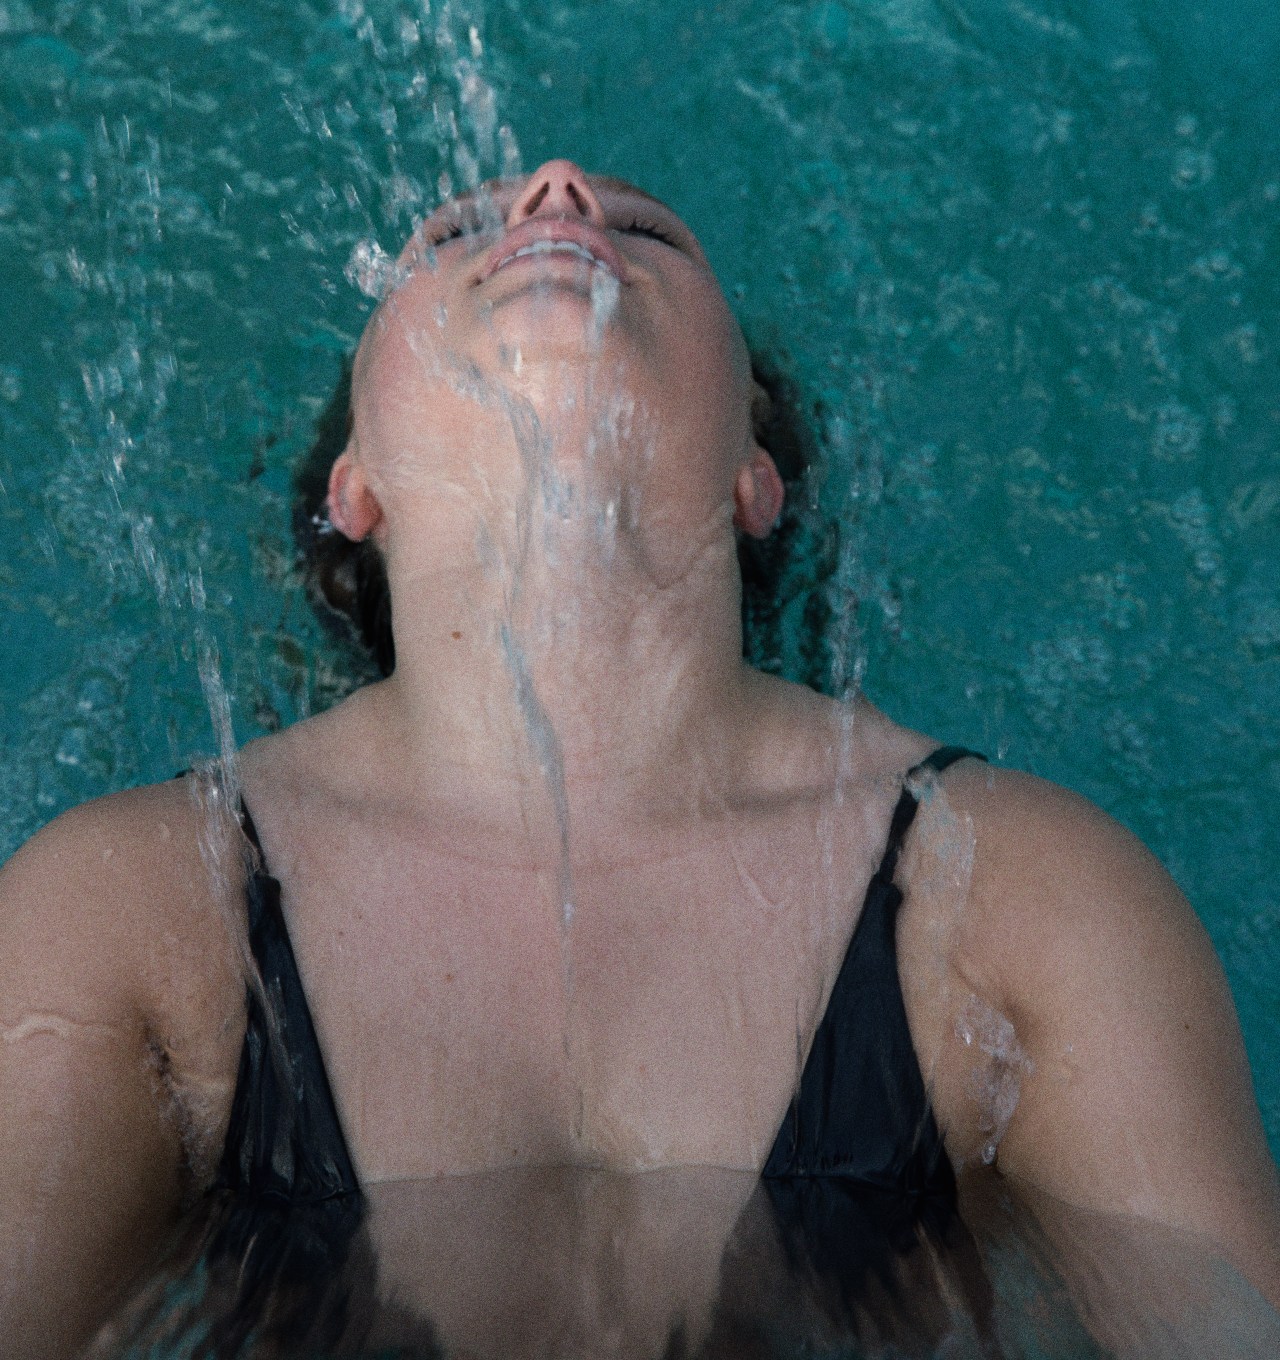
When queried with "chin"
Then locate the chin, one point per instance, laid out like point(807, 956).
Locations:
point(558, 370)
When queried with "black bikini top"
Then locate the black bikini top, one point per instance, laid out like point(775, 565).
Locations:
point(861, 1112)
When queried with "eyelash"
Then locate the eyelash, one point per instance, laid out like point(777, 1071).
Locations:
point(637, 227)
point(451, 234)
point(652, 230)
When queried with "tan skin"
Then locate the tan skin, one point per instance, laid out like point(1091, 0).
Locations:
point(555, 479)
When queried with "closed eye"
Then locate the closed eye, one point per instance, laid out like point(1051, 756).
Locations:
point(461, 222)
point(443, 234)
point(651, 230)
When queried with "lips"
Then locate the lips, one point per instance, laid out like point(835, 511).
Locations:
point(550, 236)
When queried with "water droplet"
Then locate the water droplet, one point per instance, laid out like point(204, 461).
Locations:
point(373, 271)
point(605, 289)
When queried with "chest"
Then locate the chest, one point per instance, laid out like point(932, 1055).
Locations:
point(476, 1013)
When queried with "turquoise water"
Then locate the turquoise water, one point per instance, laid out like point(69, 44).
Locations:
point(1021, 257)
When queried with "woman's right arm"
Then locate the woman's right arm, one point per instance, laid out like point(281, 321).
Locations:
point(117, 983)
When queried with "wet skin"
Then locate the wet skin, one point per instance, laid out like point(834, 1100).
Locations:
point(571, 722)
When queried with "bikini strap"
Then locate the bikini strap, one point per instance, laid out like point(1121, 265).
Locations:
point(944, 756)
point(284, 1139)
point(904, 813)
point(861, 1107)
point(260, 886)
point(250, 831)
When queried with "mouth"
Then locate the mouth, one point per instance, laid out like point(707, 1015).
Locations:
point(552, 248)
point(543, 237)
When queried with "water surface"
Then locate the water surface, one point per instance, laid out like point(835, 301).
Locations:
point(1020, 259)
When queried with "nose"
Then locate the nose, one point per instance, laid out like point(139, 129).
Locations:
point(556, 189)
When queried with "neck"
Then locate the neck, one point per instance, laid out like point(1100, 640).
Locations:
point(570, 665)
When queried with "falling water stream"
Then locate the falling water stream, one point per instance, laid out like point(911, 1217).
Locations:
point(1019, 260)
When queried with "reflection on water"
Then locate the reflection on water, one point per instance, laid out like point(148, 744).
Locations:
point(694, 1262)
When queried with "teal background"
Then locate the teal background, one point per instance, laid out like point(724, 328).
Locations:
point(1021, 257)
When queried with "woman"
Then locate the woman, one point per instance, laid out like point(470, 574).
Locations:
point(574, 885)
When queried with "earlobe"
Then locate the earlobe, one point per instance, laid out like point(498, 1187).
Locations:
point(757, 496)
point(353, 509)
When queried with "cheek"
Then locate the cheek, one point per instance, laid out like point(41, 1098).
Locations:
point(421, 414)
point(403, 341)
point(708, 367)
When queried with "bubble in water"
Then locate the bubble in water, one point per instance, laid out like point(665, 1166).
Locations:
point(481, 106)
point(401, 193)
point(1193, 168)
point(1192, 521)
point(607, 528)
point(1178, 432)
point(468, 166)
point(218, 702)
point(148, 557)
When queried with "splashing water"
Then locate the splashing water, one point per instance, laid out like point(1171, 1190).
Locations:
point(545, 744)
point(604, 303)
point(447, 79)
point(1025, 496)
point(375, 273)
point(996, 1084)
point(470, 138)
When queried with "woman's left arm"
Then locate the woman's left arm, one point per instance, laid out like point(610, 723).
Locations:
point(1138, 1097)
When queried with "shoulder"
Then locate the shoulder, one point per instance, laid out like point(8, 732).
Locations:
point(1118, 1041)
point(114, 910)
point(99, 863)
point(130, 819)
point(118, 865)
point(1054, 883)
point(809, 744)
point(121, 1015)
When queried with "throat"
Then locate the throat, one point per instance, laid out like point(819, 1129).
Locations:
point(553, 685)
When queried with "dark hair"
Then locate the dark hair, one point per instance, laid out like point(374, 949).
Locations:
point(347, 582)
point(774, 569)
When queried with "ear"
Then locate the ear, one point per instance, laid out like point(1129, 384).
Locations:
point(353, 508)
point(757, 495)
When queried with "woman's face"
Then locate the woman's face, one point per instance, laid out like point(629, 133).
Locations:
point(563, 326)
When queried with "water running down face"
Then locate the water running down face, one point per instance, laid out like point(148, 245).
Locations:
point(571, 316)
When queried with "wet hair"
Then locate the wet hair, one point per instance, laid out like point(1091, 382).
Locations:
point(776, 568)
point(347, 582)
